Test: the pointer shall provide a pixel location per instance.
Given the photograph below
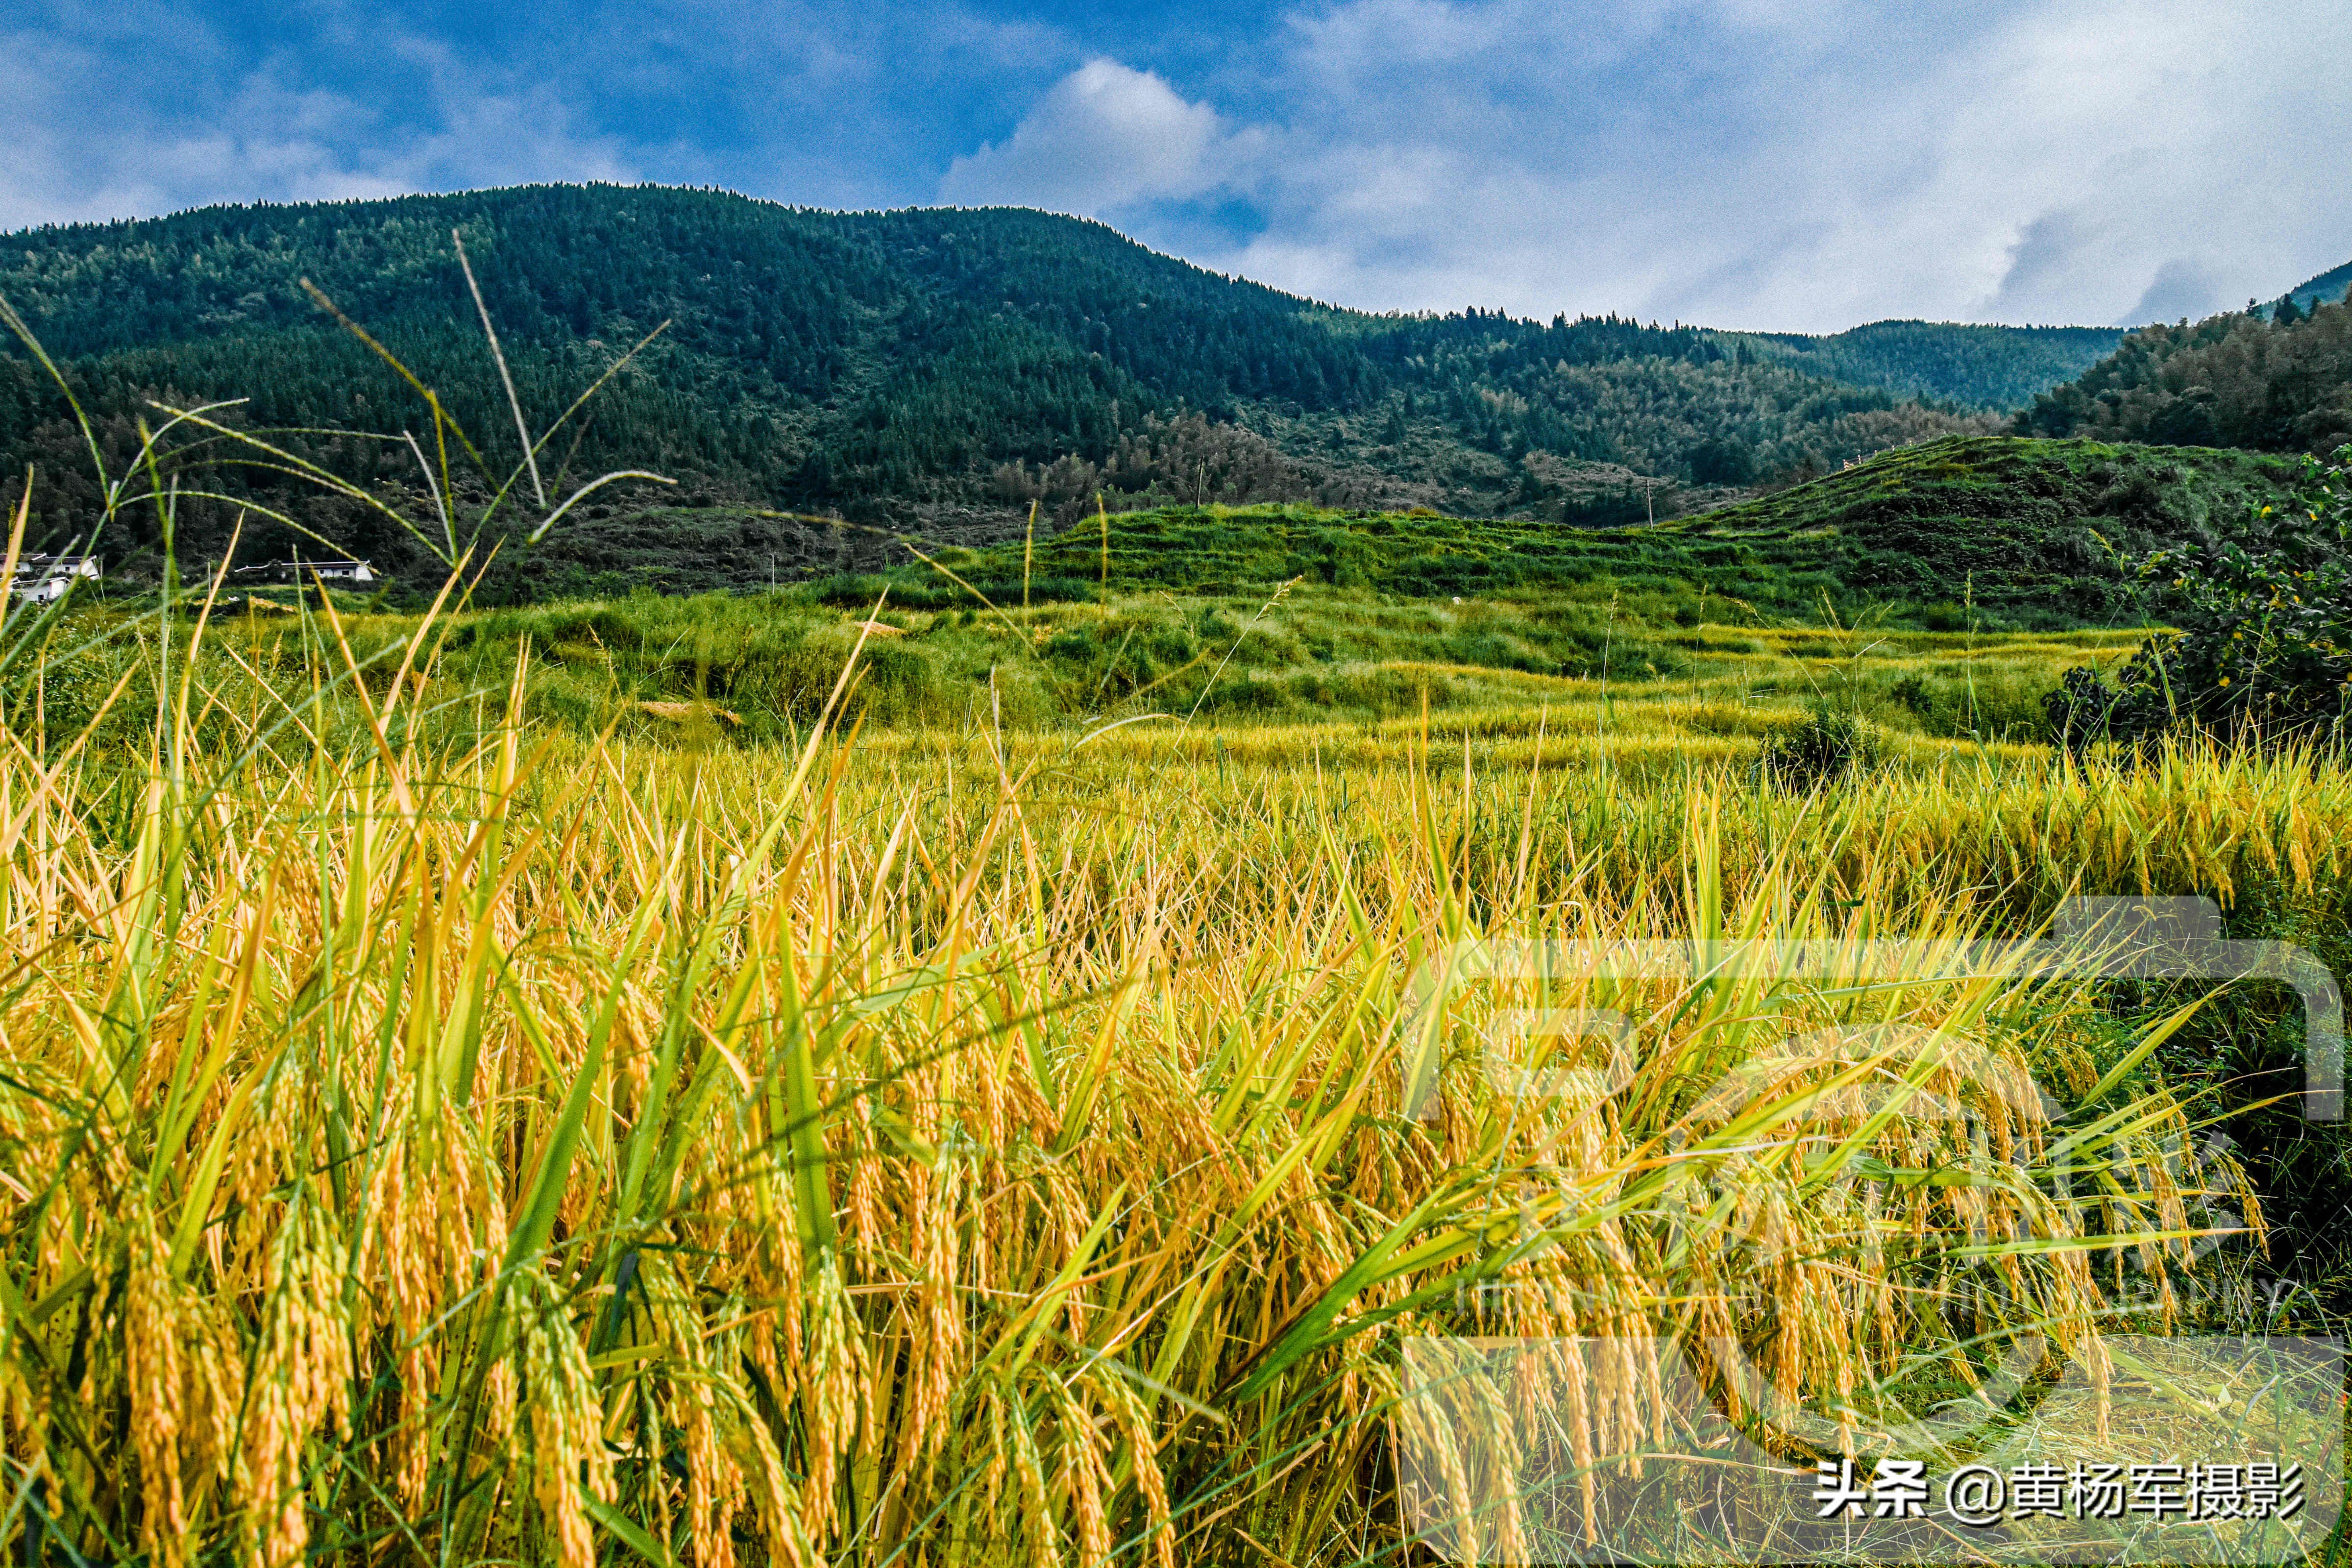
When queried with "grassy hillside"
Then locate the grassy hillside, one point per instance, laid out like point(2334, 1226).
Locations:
point(931, 369)
point(2028, 527)
point(1938, 591)
point(2034, 526)
point(1907, 530)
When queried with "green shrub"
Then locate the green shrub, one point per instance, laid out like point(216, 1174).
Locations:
point(2262, 646)
point(1823, 751)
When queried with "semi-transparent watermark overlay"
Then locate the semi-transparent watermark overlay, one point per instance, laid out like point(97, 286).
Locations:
point(2176, 939)
point(2209, 1449)
point(2182, 1447)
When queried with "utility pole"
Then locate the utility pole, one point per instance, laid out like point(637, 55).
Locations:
point(1649, 489)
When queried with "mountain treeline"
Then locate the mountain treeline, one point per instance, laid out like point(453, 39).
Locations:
point(1993, 368)
point(2329, 287)
point(2276, 380)
point(926, 368)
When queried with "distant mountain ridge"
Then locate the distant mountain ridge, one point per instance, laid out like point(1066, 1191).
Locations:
point(1997, 368)
point(2329, 288)
point(2259, 380)
point(940, 369)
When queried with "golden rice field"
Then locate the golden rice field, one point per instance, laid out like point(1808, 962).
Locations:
point(954, 1146)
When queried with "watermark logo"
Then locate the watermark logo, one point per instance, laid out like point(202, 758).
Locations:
point(2092, 939)
point(1734, 1459)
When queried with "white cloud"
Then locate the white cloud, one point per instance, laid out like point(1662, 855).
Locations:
point(2182, 287)
point(1738, 161)
point(1104, 138)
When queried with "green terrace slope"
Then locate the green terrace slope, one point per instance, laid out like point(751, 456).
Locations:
point(1907, 565)
point(2034, 526)
point(2032, 529)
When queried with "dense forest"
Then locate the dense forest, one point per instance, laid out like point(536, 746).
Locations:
point(933, 370)
point(2275, 380)
point(1996, 368)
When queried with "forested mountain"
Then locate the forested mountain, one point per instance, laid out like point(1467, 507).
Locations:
point(2329, 288)
point(932, 369)
point(1997, 368)
point(2281, 385)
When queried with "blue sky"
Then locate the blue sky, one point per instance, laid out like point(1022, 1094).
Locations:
point(1763, 164)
